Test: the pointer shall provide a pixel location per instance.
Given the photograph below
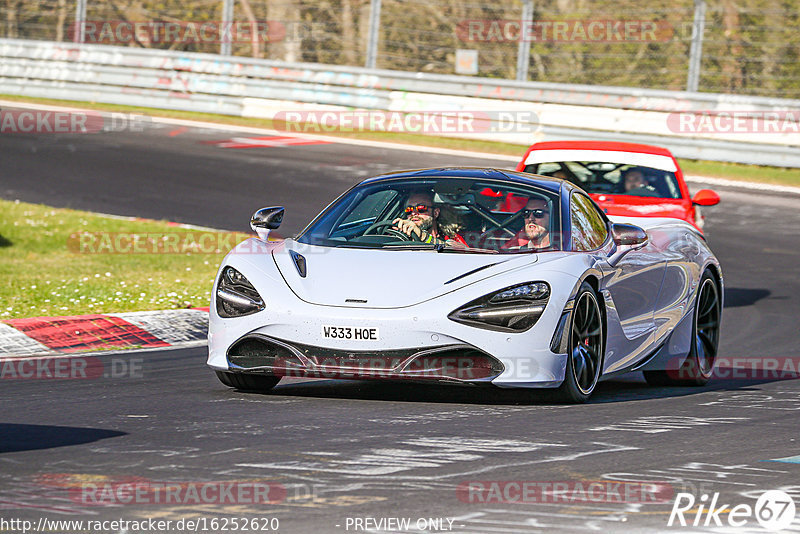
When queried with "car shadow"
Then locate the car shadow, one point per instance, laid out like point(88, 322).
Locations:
point(739, 296)
point(626, 388)
point(24, 437)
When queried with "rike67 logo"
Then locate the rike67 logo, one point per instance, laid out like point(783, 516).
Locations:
point(774, 510)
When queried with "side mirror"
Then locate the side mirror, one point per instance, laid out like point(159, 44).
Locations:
point(266, 219)
point(627, 238)
point(705, 197)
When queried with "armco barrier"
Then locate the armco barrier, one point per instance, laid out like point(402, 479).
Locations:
point(261, 88)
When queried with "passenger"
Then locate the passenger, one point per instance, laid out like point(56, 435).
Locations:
point(535, 234)
point(428, 223)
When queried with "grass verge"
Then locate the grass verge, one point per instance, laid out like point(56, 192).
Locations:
point(730, 171)
point(67, 262)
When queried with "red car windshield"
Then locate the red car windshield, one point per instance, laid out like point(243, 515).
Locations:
point(605, 178)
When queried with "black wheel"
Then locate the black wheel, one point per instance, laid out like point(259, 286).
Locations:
point(698, 367)
point(247, 382)
point(586, 348)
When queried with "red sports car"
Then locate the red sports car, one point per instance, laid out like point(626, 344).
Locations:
point(625, 179)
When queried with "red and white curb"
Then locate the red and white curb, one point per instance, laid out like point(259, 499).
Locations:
point(85, 333)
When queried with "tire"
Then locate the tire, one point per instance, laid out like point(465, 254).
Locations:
point(698, 367)
point(586, 350)
point(247, 382)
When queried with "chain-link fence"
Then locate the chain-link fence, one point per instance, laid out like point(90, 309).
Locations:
point(729, 46)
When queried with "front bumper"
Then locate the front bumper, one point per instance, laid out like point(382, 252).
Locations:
point(414, 342)
point(446, 363)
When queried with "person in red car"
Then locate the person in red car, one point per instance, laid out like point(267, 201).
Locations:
point(535, 234)
point(425, 223)
point(636, 183)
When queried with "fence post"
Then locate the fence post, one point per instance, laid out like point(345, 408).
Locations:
point(226, 35)
point(80, 19)
point(524, 47)
point(696, 51)
point(374, 27)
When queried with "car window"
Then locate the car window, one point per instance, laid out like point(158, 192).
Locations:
point(487, 216)
point(369, 208)
point(599, 177)
point(589, 230)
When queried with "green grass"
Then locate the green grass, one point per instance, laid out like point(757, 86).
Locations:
point(731, 171)
point(46, 272)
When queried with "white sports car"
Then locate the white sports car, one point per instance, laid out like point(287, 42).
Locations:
point(427, 275)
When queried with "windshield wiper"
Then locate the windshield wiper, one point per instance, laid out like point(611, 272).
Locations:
point(422, 246)
point(439, 247)
point(443, 248)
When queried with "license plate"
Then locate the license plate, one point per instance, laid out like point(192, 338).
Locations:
point(355, 333)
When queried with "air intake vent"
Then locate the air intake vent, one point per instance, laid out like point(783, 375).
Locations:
point(299, 262)
point(256, 352)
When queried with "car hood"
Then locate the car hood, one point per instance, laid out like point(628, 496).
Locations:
point(360, 278)
point(642, 206)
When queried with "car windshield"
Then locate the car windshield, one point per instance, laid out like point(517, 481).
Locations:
point(600, 177)
point(445, 214)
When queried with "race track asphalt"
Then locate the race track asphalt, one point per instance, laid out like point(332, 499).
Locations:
point(344, 451)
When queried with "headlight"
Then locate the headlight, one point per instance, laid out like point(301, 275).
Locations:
point(236, 296)
point(513, 309)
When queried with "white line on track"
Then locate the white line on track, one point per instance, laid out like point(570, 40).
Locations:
point(772, 188)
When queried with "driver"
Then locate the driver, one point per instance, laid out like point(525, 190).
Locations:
point(634, 179)
point(422, 221)
point(536, 231)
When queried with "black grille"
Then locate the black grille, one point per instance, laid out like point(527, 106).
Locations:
point(257, 352)
point(461, 363)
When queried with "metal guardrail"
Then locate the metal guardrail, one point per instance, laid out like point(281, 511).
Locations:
point(255, 87)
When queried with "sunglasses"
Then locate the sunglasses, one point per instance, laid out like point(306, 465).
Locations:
point(420, 208)
point(534, 214)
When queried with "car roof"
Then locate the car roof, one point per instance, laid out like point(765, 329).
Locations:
point(553, 185)
point(617, 146)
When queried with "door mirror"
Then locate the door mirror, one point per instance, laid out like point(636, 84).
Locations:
point(266, 219)
point(706, 197)
point(627, 237)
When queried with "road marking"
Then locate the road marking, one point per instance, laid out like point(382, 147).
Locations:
point(265, 142)
point(433, 453)
point(666, 423)
point(777, 400)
